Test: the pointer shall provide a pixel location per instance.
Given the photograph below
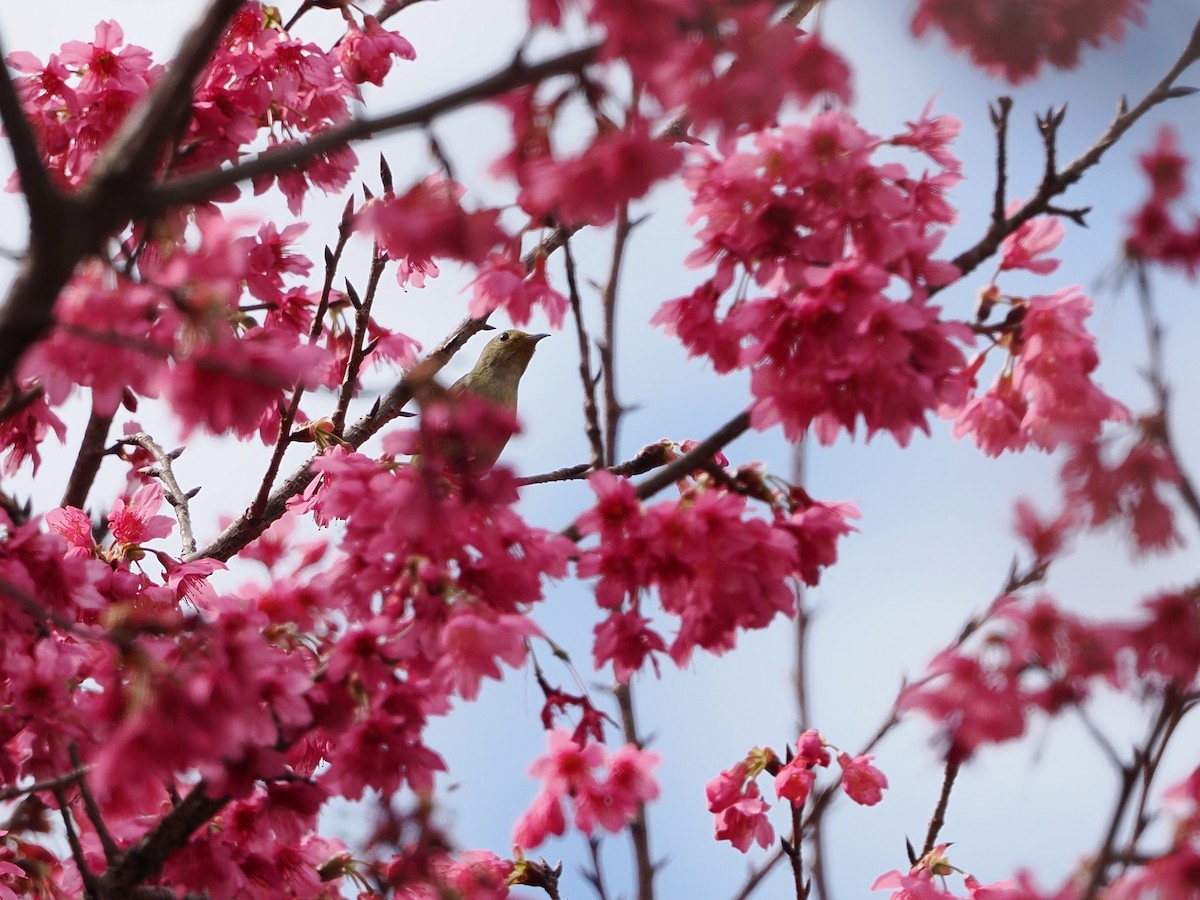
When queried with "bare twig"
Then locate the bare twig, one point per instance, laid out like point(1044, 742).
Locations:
point(612, 407)
point(639, 836)
point(49, 784)
point(1156, 376)
point(176, 496)
point(77, 854)
point(359, 347)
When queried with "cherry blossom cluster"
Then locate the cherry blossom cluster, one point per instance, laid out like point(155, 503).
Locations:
point(603, 789)
point(132, 652)
point(716, 570)
point(1016, 38)
point(1043, 394)
point(260, 82)
point(1039, 658)
point(1155, 232)
point(824, 232)
point(723, 63)
point(176, 331)
point(740, 812)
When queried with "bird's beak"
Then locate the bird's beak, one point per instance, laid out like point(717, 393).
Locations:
point(537, 337)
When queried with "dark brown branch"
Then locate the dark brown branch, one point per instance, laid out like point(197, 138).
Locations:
point(591, 415)
point(195, 188)
point(1000, 114)
point(87, 462)
point(938, 819)
point(648, 458)
point(49, 784)
point(146, 857)
point(734, 428)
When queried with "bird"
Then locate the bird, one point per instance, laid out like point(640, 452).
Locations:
point(496, 378)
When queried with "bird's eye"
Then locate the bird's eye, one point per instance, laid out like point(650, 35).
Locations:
point(504, 337)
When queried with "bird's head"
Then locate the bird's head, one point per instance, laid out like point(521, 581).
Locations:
point(507, 355)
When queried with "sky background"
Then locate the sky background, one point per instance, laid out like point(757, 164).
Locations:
point(935, 541)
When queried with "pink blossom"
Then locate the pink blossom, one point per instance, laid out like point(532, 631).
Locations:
point(745, 822)
point(860, 780)
point(135, 520)
point(725, 789)
point(1025, 248)
point(503, 283)
point(472, 645)
point(366, 53)
point(795, 782)
point(429, 221)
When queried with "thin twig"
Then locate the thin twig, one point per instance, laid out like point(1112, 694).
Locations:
point(608, 298)
point(1156, 376)
point(359, 346)
point(591, 415)
point(49, 784)
point(639, 836)
point(87, 875)
point(176, 496)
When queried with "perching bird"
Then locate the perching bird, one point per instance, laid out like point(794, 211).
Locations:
point(495, 378)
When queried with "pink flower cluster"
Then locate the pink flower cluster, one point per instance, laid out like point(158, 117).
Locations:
point(723, 63)
point(1044, 394)
point(1156, 232)
point(825, 232)
point(434, 614)
point(716, 570)
point(1040, 658)
point(260, 79)
point(175, 332)
point(605, 789)
point(739, 810)
point(1016, 37)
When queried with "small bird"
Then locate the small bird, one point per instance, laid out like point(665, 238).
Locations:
point(495, 378)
